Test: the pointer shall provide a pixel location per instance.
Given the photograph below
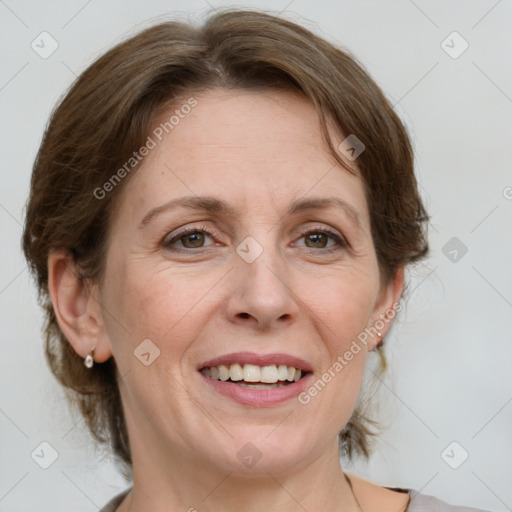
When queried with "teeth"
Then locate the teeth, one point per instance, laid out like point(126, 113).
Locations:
point(282, 372)
point(261, 386)
point(252, 373)
point(223, 372)
point(270, 374)
point(235, 372)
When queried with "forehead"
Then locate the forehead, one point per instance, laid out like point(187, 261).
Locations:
point(259, 124)
point(244, 145)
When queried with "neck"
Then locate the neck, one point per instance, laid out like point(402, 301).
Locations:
point(179, 482)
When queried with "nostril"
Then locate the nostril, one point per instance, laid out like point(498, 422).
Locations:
point(244, 315)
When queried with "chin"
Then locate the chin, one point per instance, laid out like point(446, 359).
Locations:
point(262, 450)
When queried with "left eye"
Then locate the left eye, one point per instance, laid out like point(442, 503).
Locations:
point(319, 239)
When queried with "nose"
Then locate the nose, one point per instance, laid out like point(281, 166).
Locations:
point(262, 296)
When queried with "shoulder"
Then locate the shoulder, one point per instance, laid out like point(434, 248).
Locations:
point(112, 505)
point(424, 503)
point(387, 499)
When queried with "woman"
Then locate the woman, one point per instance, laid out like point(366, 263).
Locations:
point(219, 223)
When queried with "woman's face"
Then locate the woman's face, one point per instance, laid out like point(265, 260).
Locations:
point(260, 280)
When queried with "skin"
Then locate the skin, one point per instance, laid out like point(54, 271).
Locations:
point(259, 151)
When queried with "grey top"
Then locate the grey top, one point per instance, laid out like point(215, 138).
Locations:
point(418, 503)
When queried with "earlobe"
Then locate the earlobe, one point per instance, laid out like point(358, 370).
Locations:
point(76, 309)
point(386, 308)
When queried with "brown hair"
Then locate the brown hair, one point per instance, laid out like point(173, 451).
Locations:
point(107, 114)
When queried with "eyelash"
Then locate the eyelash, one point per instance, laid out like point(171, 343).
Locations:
point(340, 240)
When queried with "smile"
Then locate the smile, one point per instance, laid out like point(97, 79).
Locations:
point(250, 373)
point(256, 383)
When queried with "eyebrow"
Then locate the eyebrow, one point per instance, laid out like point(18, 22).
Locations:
point(218, 206)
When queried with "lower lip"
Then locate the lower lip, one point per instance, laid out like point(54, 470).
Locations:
point(258, 397)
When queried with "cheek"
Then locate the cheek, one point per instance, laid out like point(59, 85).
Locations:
point(159, 305)
point(343, 310)
point(342, 313)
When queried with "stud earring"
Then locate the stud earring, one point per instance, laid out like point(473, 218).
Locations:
point(381, 341)
point(89, 360)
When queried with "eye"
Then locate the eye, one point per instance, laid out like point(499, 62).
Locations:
point(319, 238)
point(195, 237)
point(190, 238)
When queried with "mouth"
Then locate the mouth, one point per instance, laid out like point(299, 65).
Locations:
point(251, 376)
point(254, 379)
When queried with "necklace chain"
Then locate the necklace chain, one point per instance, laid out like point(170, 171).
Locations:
point(359, 505)
point(352, 491)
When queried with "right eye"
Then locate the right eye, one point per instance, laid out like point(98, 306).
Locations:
point(190, 238)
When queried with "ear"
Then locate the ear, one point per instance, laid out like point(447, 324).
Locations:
point(386, 306)
point(77, 308)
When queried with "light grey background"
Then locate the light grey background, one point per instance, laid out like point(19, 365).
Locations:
point(450, 355)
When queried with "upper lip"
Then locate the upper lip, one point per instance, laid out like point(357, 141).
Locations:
point(258, 359)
